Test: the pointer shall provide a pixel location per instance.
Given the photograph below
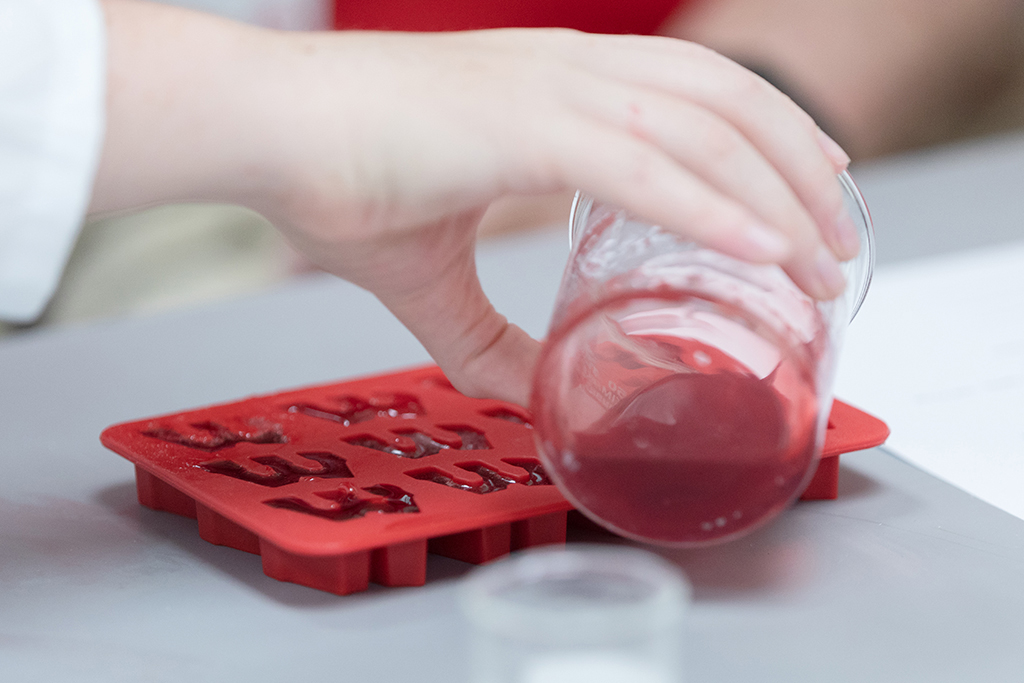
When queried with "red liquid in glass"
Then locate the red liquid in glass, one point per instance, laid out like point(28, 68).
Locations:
point(682, 423)
point(692, 458)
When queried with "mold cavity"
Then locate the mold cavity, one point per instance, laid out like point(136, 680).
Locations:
point(352, 410)
point(472, 440)
point(492, 481)
point(213, 435)
point(385, 499)
point(538, 477)
point(508, 416)
point(423, 444)
point(404, 406)
point(285, 472)
point(377, 445)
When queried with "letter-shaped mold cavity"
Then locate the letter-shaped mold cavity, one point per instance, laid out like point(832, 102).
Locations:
point(413, 444)
point(347, 504)
point(509, 415)
point(471, 439)
point(538, 477)
point(490, 479)
point(211, 436)
point(284, 471)
point(350, 410)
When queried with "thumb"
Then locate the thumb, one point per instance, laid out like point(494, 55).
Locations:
point(482, 354)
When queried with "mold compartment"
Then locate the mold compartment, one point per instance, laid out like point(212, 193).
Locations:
point(346, 503)
point(156, 494)
point(278, 475)
point(284, 471)
point(350, 410)
point(489, 481)
point(339, 574)
point(209, 435)
point(825, 483)
point(402, 564)
point(509, 415)
point(413, 444)
point(476, 546)
point(534, 470)
point(542, 530)
point(219, 530)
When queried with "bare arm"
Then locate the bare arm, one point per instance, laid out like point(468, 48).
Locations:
point(884, 75)
point(376, 154)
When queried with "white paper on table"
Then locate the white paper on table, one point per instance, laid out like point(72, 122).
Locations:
point(937, 352)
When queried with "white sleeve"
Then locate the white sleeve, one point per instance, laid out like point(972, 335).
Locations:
point(52, 96)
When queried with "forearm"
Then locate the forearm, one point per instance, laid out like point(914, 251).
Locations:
point(185, 94)
point(884, 74)
point(377, 153)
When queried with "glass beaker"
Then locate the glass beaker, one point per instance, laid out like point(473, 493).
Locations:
point(581, 614)
point(682, 395)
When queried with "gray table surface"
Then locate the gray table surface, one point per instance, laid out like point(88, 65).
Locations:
point(903, 578)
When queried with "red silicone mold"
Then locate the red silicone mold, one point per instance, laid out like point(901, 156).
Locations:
point(339, 485)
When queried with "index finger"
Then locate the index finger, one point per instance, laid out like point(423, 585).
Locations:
point(786, 136)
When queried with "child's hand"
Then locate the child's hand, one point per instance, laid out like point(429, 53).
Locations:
point(377, 154)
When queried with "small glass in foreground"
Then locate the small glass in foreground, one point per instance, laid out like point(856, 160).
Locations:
point(586, 614)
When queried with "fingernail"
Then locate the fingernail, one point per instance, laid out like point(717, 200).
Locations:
point(832, 150)
point(848, 235)
point(764, 243)
point(831, 277)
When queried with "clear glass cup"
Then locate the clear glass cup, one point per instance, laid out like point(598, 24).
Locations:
point(582, 614)
point(681, 397)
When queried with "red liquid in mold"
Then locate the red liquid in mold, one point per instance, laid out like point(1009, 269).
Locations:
point(284, 472)
point(214, 436)
point(508, 416)
point(422, 445)
point(538, 477)
point(353, 410)
point(347, 504)
point(492, 481)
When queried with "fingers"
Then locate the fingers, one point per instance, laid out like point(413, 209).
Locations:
point(719, 155)
point(752, 144)
point(644, 179)
point(785, 134)
point(836, 154)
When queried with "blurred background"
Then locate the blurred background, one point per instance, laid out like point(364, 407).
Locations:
point(882, 77)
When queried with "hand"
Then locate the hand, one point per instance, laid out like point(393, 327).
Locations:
point(377, 153)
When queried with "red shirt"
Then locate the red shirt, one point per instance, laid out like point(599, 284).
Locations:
point(594, 16)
